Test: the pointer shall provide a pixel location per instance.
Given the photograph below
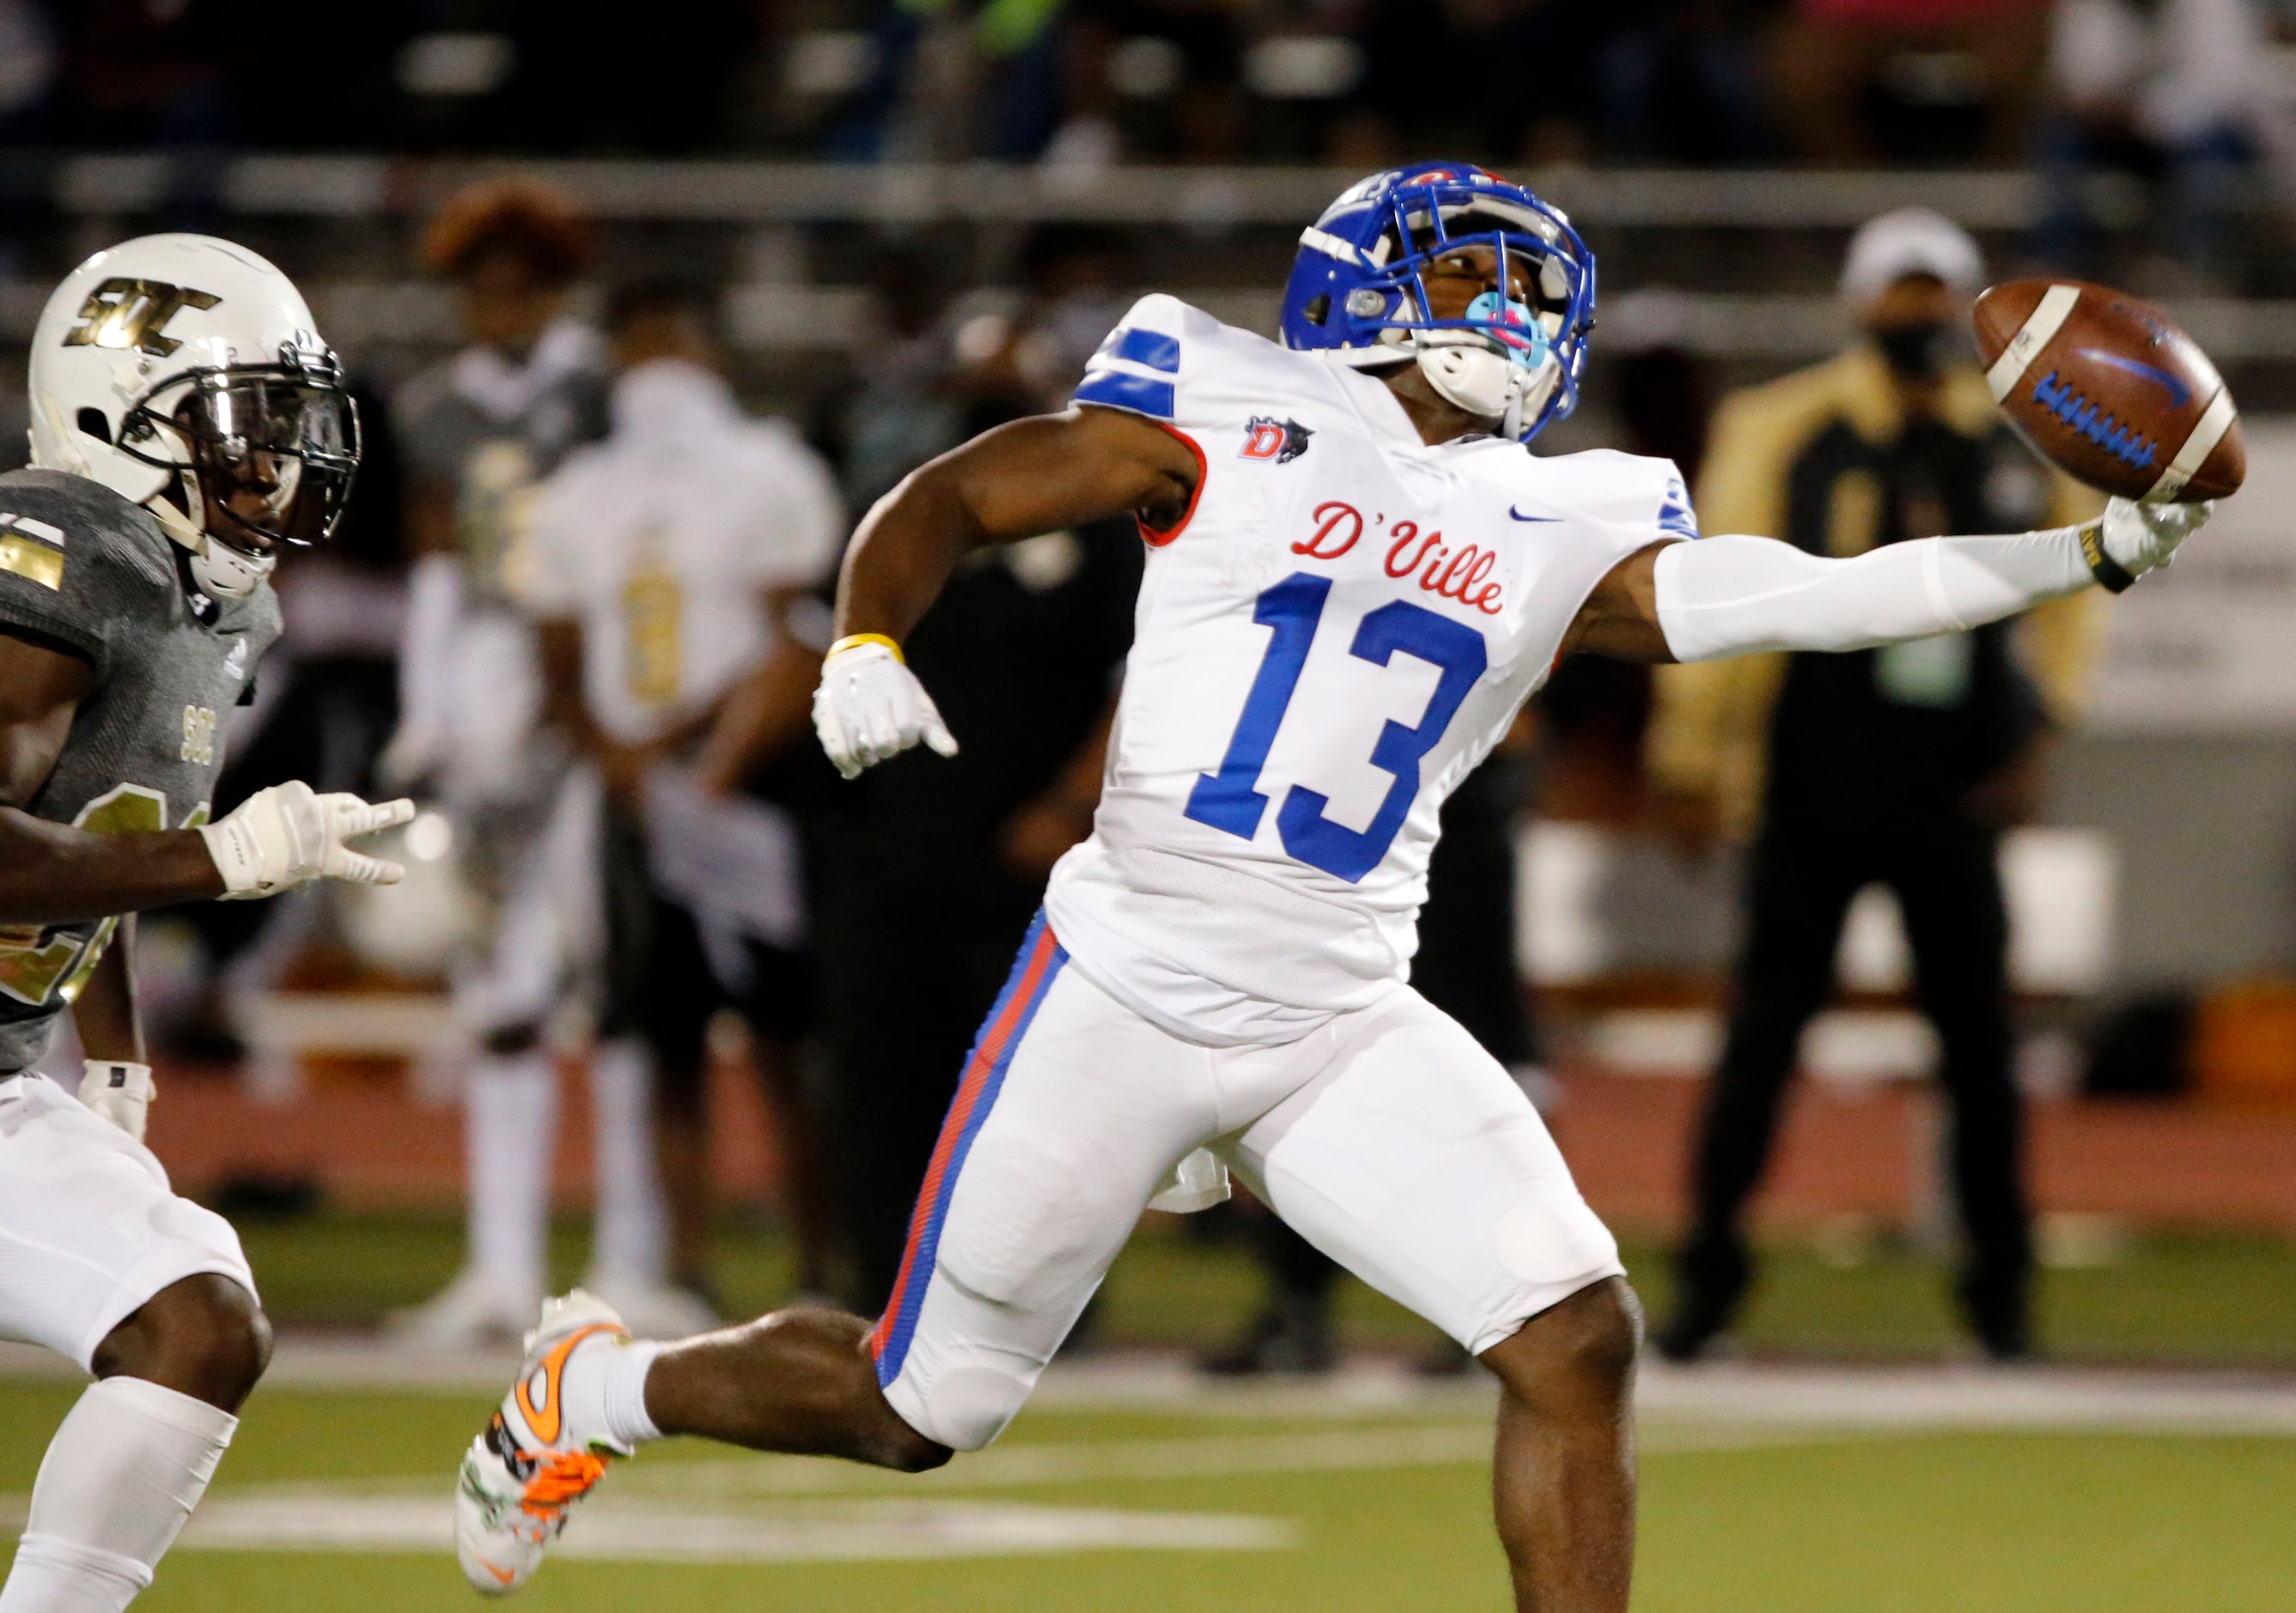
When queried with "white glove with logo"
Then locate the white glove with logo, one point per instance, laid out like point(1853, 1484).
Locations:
point(870, 705)
point(2140, 538)
point(290, 835)
point(119, 1091)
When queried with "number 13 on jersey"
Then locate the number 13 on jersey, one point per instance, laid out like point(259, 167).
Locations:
point(1230, 799)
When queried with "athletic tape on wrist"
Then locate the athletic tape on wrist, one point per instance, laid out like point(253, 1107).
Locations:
point(853, 641)
point(2111, 575)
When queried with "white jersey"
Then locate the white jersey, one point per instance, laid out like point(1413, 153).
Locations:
point(664, 539)
point(1339, 629)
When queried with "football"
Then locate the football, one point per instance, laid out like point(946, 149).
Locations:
point(2106, 388)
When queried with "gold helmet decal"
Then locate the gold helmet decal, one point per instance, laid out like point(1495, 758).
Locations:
point(128, 313)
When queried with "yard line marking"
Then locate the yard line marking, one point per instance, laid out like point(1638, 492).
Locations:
point(1933, 1398)
point(614, 1529)
point(345, 1515)
point(1080, 1462)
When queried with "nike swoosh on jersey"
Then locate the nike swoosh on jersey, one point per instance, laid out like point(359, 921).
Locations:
point(1519, 515)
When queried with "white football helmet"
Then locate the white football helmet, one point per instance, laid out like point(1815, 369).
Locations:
point(185, 373)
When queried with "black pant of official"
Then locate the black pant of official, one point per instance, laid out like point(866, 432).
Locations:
point(1943, 872)
point(908, 975)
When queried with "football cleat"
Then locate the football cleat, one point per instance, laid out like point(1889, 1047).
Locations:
point(521, 1477)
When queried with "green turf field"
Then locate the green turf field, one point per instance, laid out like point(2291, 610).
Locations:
point(1384, 1512)
point(337, 1498)
point(2221, 1299)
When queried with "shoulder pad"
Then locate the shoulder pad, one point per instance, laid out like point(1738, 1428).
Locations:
point(1138, 366)
point(85, 521)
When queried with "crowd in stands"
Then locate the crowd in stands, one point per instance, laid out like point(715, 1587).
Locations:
point(2180, 84)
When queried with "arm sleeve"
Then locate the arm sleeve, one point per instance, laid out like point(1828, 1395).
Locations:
point(1732, 595)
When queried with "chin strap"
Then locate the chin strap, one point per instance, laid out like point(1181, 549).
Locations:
point(222, 569)
point(177, 525)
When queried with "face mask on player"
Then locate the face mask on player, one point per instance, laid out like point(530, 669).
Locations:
point(264, 456)
point(1502, 367)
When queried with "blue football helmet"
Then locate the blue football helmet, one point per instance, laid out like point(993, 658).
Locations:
point(1355, 291)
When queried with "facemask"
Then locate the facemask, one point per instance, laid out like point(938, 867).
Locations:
point(1503, 375)
point(1915, 351)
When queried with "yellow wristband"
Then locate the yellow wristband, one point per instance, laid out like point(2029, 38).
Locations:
point(853, 641)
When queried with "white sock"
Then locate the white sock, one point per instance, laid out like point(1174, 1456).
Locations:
point(605, 1389)
point(633, 1231)
point(511, 1129)
point(120, 1478)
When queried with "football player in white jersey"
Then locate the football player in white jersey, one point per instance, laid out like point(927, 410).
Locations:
point(1356, 574)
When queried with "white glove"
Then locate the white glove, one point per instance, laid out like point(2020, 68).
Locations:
point(290, 835)
point(870, 706)
point(119, 1091)
point(2139, 537)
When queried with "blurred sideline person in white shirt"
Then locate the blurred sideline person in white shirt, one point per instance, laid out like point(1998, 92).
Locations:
point(2185, 99)
point(479, 433)
point(669, 561)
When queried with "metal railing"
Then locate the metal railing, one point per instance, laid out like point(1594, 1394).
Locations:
point(747, 191)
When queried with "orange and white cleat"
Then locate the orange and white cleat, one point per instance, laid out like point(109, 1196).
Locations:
point(523, 1475)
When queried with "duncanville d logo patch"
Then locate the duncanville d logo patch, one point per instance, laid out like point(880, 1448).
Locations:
point(1281, 440)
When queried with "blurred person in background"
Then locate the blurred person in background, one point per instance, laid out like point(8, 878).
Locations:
point(1477, 103)
point(476, 434)
point(139, 74)
point(2184, 95)
point(899, 411)
point(666, 561)
point(28, 61)
point(1681, 82)
point(1900, 765)
point(1838, 67)
point(931, 867)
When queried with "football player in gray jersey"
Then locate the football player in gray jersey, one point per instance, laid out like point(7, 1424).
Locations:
point(186, 421)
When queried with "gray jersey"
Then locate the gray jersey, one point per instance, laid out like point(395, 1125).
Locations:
point(487, 430)
point(85, 570)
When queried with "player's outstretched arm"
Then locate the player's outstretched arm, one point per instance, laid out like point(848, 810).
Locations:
point(1727, 595)
point(1032, 476)
point(53, 874)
